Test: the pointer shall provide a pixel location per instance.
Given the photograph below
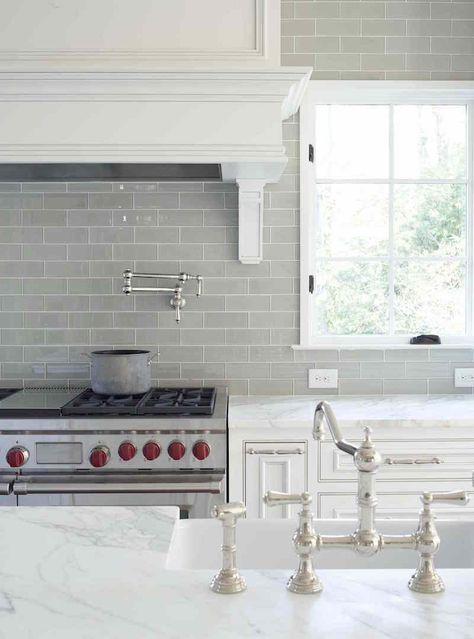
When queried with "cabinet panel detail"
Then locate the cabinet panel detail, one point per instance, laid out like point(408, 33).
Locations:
point(390, 506)
point(273, 466)
point(443, 460)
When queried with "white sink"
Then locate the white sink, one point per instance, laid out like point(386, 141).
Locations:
point(266, 544)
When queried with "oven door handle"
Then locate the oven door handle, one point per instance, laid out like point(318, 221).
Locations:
point(27, 486)
point(6, 486)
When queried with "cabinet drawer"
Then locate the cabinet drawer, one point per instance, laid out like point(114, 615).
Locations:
point(390, 506)
point(404, 460)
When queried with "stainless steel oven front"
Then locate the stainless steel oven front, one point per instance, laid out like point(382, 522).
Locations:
point(73, 462)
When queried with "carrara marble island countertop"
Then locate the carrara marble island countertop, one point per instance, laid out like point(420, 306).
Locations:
point(90, 573)
point(400, 411)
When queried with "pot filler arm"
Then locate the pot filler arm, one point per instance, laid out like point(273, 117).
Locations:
point(177, 301)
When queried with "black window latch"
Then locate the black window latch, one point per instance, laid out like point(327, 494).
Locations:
point(311, 284)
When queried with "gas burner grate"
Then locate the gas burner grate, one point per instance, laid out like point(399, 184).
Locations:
point(157, 401)
point(179, 401)
point(90, 403)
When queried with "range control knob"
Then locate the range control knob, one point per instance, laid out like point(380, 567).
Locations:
point(99, 456)
point(127, 451)
point(17, 456)
point(151, 451)
point(201, 450)
point(176, 450)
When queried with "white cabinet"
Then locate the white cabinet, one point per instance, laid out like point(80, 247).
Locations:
point(277, 465)
point(415, 460)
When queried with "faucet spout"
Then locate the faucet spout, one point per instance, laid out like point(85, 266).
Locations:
point(324, 412)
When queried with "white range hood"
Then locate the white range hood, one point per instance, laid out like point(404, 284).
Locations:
point(200, 102)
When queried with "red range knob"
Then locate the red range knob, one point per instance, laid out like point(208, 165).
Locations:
point(176, 450)
point(201, 450)
point(127, 451)
point(17, 456)
point(99, 456)
point(151, 450)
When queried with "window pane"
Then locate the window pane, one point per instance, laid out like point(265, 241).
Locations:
point(352, 220)
point(430, 219)
point(350, 298)
point(351, 141)
point(430, 141)
point(429, 297)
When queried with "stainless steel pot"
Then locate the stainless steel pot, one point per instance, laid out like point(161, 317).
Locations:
point(121, 372)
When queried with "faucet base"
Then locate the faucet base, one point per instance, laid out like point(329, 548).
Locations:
point(228, 582)
point(304, 584)
point(426, 580)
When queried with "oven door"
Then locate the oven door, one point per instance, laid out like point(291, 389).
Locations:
point(194, 493)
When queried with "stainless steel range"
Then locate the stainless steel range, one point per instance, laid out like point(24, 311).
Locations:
point(165, 447)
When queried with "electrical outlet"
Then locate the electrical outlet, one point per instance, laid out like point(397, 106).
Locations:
point(322, 378)
point(464, 377)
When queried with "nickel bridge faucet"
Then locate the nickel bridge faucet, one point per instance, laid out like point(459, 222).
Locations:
point(177, 301)
point(365, 540)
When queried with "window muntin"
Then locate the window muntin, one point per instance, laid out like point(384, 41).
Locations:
point(389, 242)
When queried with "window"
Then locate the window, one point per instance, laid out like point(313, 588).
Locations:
point(386, 213)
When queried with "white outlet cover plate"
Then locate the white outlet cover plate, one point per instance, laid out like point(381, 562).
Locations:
point(322, 378)
point(464, 377)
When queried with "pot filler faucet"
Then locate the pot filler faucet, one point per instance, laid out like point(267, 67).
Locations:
point(366, 540)
point(177, 301)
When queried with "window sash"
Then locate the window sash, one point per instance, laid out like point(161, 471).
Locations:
point(386, 93)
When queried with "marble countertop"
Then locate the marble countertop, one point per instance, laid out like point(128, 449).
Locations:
point(99, 573)
point(282, 412)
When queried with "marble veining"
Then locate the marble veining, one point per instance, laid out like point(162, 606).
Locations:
point(283, 412)
point(98, 573)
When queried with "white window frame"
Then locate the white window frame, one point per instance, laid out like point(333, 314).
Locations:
point(375, 92)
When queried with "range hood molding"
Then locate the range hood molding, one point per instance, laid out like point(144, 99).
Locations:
point(231, 118)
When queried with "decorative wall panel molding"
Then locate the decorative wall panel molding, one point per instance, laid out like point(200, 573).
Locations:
point(139, 34)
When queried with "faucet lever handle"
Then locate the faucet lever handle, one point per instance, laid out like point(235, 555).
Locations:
point(275, 498)
point(456, 497)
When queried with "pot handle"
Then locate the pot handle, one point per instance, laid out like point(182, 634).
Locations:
point(150, 359)
point(86, 355)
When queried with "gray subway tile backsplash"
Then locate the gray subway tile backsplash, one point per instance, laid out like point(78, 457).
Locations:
point(416, 370)
point(22, 201)
point(405, 386)
point(110, 201)
point(66, 201)
point(156, 201)
point(10, 218)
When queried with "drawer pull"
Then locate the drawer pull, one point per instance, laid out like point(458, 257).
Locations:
point(393, 462)
point(294, 451)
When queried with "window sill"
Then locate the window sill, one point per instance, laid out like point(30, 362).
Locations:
point(378, 347)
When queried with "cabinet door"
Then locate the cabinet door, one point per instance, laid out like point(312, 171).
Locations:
point(273, 466)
